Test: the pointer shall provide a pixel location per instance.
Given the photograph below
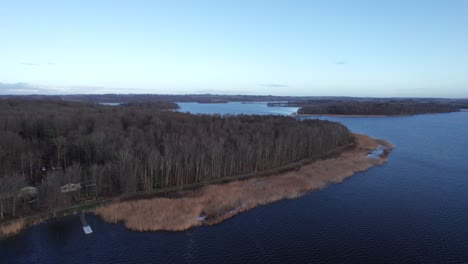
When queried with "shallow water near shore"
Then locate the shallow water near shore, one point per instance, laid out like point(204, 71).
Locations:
point(411, 209)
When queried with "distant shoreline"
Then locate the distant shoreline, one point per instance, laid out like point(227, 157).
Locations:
point(215, 203)
point(333, 115)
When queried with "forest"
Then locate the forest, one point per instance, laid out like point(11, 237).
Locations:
point(54, 154)
point(376, 108)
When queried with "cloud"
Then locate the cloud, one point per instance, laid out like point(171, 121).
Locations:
point(340, 62)
point(30, 64)
point(275, 85)
point(22, 88)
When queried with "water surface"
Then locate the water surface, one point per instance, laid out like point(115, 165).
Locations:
point(234, 108)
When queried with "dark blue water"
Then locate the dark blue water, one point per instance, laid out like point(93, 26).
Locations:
point(413, 209)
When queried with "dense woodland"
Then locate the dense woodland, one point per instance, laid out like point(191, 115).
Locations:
point(73, 152)
point(377, 108)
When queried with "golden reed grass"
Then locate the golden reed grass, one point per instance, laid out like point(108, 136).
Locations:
point(12, 228)
point(214, 203)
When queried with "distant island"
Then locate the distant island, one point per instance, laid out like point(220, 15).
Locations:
point(374, 107)
point(59, 157)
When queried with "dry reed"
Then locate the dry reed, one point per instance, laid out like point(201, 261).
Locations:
point(215, 203)
point(12, 228)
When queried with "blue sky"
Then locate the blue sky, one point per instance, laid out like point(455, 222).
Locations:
point(351, 48)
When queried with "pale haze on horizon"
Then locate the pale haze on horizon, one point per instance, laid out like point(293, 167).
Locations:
point(311, 48)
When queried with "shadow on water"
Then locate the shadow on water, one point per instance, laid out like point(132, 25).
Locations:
point(61, 230)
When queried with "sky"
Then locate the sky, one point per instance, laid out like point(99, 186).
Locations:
point(398, 48)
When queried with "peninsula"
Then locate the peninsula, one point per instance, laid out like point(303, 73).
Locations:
point(59, 157)
point(214, 203)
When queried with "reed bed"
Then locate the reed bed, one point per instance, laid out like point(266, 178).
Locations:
point(214, 203)
point(12, 228)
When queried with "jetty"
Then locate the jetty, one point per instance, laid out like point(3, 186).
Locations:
point(86, 228)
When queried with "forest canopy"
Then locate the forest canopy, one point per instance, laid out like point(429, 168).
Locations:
point(72, 151)
point(376, 108)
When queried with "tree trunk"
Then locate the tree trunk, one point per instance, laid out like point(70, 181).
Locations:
point(1, 209)
point(14, 205)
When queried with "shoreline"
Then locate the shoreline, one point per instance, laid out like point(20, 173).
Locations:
point(342, 115)
point(215, 203)
point(334, 115)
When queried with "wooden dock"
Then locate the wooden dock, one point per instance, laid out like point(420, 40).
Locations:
point(86, 228)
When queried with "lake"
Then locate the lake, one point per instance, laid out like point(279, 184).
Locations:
point(412, 209)
point(235, 108)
